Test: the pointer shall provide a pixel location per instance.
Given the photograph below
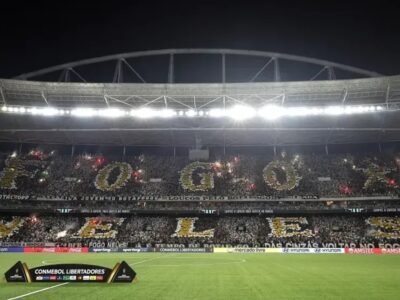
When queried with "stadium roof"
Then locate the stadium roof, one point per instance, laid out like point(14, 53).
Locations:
point(221, 63)
point(364, 128)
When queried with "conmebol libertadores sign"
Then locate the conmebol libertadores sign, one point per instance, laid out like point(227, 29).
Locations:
point(121, 272)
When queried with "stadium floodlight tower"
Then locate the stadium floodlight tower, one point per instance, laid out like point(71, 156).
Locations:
point(200, 97)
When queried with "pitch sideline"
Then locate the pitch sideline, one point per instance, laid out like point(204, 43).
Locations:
point(38, 291)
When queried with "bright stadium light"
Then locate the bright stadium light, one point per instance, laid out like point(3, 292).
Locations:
point(334, 110)
point(302, 111)
point(271, 112)
point(241, 112)
point(44, 111)
point(146, 113)
point(167, 113)
point(191, 113)
point(49, 111)
point(217, 112)
point(238, 112)
point(111, 113)
point(83, 112)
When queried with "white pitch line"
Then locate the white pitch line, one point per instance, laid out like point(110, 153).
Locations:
point(143, 261)
point(38, 291)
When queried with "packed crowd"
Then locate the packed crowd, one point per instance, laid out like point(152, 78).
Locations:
point(135, 231)
point(46, 174)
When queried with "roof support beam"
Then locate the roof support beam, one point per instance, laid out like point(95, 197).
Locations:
point(261, 70)
point(61, 78)
point(277, 71)
point(345, 93)
point(387, 96)
point(3, 97)
point(331, 73)
point(133, 70)
point(118, 100)
point(319, 73)
point(209, 102)
point(77, 74)
point(44, 98)
point(171, 69)
point(118, 72)
point(172, 52)
point(67, 75)
point(223, 70)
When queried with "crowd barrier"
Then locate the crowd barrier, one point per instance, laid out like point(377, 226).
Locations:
point(202, 250)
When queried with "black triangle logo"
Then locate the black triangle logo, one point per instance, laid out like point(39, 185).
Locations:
point(124, 273)
point(16, 273)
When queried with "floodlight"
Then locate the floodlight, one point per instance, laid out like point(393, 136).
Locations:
point(241, 112)
point(83, 112)
point(110, 113)
point(191, 113)
point(271, 112)
point(216, 112)
point(167, 113)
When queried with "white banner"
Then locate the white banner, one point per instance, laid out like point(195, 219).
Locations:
point(313, 250)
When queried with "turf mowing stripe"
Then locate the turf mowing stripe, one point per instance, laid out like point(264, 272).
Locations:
point(38, 291)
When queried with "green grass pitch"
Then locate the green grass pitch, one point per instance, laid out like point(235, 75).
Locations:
point(221, 276)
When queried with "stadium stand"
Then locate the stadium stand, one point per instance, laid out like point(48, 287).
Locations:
point(141, 231)
point(38, 174)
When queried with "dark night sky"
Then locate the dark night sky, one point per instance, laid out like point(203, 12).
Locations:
point(363, 34)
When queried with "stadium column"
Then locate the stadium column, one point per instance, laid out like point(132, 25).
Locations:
point(171, 69)
point(223, 68)
point(277, 72)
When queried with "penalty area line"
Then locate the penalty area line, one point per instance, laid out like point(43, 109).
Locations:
point(38, 291)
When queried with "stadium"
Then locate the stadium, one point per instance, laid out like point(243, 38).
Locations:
point(213, 173)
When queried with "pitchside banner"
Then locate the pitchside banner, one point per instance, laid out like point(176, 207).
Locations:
point(247, 250)
point(56, 250)
point(314, 250)
point(372, 251)
point(121, 272)
point(281, 250)
point(11, 249)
